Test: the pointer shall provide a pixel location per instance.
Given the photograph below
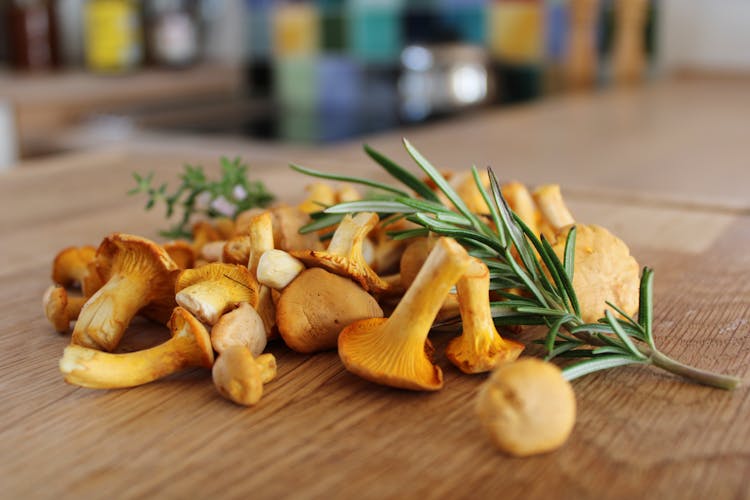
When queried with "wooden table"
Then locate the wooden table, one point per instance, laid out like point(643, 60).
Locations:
point(665, 167)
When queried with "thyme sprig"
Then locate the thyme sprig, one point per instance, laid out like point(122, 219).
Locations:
point(544, 285)
point(196, 194)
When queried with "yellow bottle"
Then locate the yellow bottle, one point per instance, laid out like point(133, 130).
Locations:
point(113, 35)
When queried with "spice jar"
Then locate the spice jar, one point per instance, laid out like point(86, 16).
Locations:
point(172, 32)
point(113, 35)
point(32, 37)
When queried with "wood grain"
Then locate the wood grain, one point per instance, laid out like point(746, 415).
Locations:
point(320, 432)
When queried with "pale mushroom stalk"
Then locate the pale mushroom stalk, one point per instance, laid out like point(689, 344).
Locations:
point(261, 241)
point(554, 211)
point(276, 269)
point(61, 308)
point(522, 203)
point(480, 347)
point(189, 346)
point(393, 351)
point(140, 274)
point(211, 290)
point(240, 378)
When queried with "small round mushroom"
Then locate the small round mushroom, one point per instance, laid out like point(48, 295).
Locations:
point(139, 276)
point(242, 326)
point(527, 407)
point(317, 305)
point(70, 265)
point(60, 308)
point(189, 346)
point(211, 290)
point(239, 377)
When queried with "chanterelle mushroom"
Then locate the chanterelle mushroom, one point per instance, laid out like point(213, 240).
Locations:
point(60, 308)
point(181, 252)
point(70, 265)
point(261, 241)
point(393, 351)
point(527, 407)
point(344, 254)
point(189, 346)
point(211, 290)
point(480, 347)
point(314, 308)
point(139, 275)
point(552, 206)
point(239, 377)
point(604, 271)
point(242, 326)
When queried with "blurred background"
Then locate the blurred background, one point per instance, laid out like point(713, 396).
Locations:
point(84, 72)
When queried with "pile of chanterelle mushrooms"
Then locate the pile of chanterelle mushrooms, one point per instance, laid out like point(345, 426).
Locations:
point(241, 282)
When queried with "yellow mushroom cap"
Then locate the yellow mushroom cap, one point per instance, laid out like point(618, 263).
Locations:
point(211, 290)
point(69, 266)
point(121, 253)
point(182, 253)
point(604, 271)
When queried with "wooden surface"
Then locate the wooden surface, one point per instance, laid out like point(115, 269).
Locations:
point(320, 432)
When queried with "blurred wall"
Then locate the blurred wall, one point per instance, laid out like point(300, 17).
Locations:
point(712, 35)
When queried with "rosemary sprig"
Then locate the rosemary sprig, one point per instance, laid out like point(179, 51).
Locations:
point(197, 195)
point(547, 296)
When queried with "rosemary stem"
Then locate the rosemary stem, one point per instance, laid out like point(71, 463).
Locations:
point(704, 377)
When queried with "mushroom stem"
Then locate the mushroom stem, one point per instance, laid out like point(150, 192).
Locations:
point(426, 295)
point(261, 239)
point(349, 237)
point(205, 300)
point(393, 351)
point(105, 316)
point(553, 208)
point(189, 346)
point(480, 347)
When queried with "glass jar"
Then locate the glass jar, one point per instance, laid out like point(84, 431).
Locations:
point(112, 35)
point(172, 32)
point(32, 38)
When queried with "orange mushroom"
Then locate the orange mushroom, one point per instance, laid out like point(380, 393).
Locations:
point(211, 290)
point(344, 254)
point(480, 347)
point(70, 265)
point(138, 276)
point(394, 351)
point(189, 346)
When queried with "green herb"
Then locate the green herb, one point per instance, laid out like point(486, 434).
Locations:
point(547, 296)
point(231, 194)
